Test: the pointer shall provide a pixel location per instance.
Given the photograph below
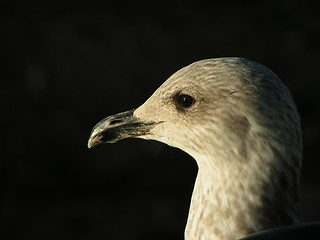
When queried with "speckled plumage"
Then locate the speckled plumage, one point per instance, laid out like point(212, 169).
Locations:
point(244, 132)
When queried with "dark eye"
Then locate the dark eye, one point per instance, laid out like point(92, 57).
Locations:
point(185, 101)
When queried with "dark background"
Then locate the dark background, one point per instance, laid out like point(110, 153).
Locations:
point(69, 66)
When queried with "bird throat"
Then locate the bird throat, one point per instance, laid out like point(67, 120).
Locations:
point(230, 204)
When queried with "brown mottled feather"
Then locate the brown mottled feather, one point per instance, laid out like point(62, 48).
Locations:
point(244, 133)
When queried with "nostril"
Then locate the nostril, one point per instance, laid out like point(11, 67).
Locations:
point(115, 121)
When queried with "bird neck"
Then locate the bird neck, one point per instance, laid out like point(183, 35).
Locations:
point(227, 206)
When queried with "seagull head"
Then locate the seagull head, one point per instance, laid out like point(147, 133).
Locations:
point(228, 107)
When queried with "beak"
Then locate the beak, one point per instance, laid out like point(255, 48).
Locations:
point(117, 127)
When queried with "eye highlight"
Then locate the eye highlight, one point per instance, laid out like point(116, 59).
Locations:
point(185, 101)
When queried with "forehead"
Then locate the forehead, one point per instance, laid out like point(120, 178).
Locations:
point(205, 75)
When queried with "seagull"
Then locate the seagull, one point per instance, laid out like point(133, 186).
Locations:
point(239, 122)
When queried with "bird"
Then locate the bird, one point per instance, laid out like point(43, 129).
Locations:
point(238, 120)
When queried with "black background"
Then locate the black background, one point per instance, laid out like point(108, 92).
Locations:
point(68, 66)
